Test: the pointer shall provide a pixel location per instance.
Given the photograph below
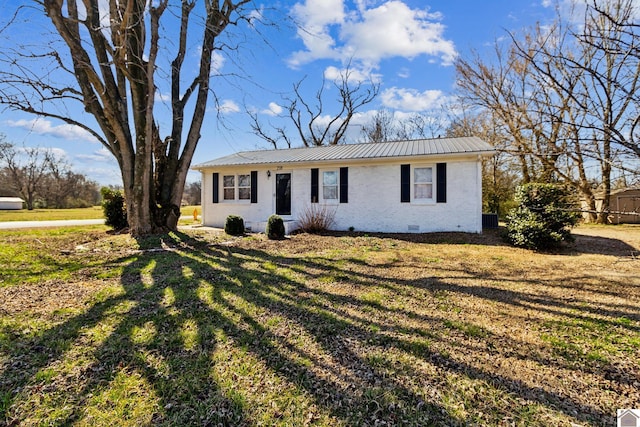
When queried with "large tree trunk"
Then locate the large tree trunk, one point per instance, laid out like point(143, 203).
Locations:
point(115, 71)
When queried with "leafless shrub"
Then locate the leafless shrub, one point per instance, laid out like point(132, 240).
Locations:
point(316, 218)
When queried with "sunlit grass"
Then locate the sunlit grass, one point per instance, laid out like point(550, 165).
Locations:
point(94, 212)
point(180, 330)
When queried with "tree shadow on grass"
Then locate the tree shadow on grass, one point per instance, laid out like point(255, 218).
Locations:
point(211, 335)
point(587, 244)
point(583, 244)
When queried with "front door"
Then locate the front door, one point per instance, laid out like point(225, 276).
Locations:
point(283, 193)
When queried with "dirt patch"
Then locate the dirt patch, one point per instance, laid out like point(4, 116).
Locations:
point(47, 297)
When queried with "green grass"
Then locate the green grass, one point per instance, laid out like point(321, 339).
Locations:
point(181, 329)
point(94, 212)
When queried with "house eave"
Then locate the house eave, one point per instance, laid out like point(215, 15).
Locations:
point(365, 160)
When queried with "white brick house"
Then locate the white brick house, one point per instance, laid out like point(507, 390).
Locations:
point(403, 186)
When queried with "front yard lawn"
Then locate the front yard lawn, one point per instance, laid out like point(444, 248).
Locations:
point(199, 328)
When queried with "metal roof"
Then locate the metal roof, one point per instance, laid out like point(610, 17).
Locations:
point(379, 150)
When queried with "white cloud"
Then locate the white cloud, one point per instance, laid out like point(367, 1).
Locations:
point(394, 29)
point(273, 110)
point(404, 73)
point(217, 62)
point(412, 100)
point(162, 97)
point(103, 176)
point(256, 15)
point(101, 155)
point(228, 106)
point(354, 75)
point(368, 34)
point(324, 120)
point(315, 18)
point(45, 127)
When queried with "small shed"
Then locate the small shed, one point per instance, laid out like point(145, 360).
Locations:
point(11, 203)
point(624, 206)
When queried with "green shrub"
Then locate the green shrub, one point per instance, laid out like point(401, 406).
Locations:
point(275, 228)
point(543, 217)
point(113, 207)
point(234, 225)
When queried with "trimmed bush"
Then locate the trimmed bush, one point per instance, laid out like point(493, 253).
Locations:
point(113, 207)
point(316, 218)
point(543, 217)
point(234, 225)
point(275, 228)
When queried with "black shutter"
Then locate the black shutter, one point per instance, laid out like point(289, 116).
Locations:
point(254, 186)
point(405, 183)
point(344, 185)
point(441, 184)
point(216, 184)
point(315, 173)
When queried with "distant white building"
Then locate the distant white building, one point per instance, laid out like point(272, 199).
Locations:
point(11, 203)
point(417, 186)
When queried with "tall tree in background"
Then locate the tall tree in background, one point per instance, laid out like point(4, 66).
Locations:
point(313, 124)
point(386, 125)
point(193, 193)
point(499, 172)
point(597, 75)
point(111, 61)
point(24, 169)
point(566, 94)
point(381, 128)
point(42, 178)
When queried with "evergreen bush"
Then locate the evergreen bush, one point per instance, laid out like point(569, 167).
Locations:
point(113, 207)
point(234, 225)
point(543, 217)
point(275, 228)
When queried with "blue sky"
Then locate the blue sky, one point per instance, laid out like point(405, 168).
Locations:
point(407, 46)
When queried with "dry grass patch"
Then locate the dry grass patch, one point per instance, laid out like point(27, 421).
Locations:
point(442, 329)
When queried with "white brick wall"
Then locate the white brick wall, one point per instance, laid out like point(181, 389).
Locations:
point(374, 198)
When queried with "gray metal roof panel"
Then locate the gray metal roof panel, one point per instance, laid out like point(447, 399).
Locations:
point(419, 147)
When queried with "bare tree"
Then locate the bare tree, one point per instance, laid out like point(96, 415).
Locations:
point(500, 85)
point(110, 68)
point(63, 188)
point(381, 128)
point(422, 125)
point(386, 125)
point(500, 171)
point(596, 75)
point(313, 125)
point(567, 96)
point(24, 169)
point(193, 193)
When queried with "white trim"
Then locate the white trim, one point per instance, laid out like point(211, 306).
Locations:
point(274, 174)
point(322, 200)
point(236, 189)
point(423, 201)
